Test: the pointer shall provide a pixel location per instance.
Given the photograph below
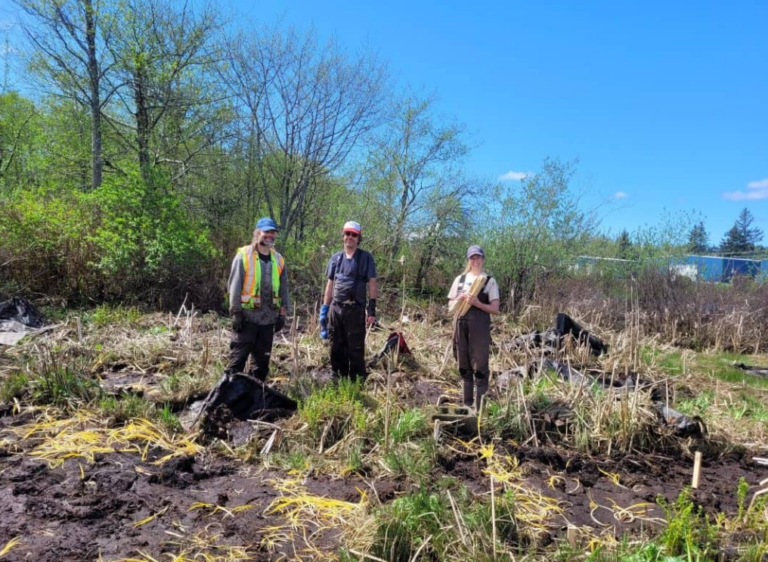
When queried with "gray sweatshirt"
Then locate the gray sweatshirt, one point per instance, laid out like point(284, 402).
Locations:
point(266, 313)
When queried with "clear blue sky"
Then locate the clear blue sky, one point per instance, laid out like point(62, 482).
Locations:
point(664, 103)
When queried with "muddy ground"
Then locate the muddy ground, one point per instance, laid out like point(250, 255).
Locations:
point(65, 514)
point(62, 514)
point(83, 511)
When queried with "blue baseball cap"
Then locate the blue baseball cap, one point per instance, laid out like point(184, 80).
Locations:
point(266, 224)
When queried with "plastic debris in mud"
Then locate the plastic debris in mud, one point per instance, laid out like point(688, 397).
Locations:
point(552, 340)
point(684, 426)
point(238, 396)
point(18, 317)
point(752, 369)
point(395, 341)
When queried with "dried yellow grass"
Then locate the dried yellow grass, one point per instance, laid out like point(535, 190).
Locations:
point(85, 435)
point(308, 516)
point(16, 541)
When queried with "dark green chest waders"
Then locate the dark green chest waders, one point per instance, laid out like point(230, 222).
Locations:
point(471, 348)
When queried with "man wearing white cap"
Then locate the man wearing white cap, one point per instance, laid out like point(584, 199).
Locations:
point(345, 312)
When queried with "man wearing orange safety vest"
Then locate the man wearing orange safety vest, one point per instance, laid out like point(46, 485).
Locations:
point(258, 300)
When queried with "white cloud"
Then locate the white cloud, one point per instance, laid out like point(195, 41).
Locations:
point(760, 184)
point(756, 191)
point(620, 195)
point(753, 195)
point(514, 176)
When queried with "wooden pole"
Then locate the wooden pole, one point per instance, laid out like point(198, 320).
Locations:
point(696, 470)
point(572, 535)
point(79, 331)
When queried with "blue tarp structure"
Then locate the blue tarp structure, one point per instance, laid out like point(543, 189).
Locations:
point(717, 269)
point(713, 269)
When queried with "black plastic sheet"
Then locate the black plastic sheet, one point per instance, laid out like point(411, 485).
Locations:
point(21, 310)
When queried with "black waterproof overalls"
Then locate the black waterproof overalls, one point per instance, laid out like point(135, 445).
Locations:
point(471, 348)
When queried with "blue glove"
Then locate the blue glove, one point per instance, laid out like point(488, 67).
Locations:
point(324, 322)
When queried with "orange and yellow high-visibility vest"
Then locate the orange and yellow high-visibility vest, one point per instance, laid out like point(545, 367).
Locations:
point(250, 296)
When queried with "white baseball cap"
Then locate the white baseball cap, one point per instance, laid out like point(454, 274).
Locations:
point(352, 226)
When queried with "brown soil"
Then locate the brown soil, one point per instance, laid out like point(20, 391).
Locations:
point(581, 482)
point(61, 516)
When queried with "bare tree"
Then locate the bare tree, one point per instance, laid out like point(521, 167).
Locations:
point(164, 53)
point(309, 104)
point(67, 37)
point(415, 158)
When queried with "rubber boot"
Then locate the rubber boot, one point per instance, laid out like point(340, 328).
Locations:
point(481, 382)
point(467, 386)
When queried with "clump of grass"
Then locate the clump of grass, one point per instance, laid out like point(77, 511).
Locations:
point(336, 409)
point(167, 417)
point(105, 314)
point(14, 386)
point(59, 378)
point(436, 525)
point(408, 425)
point(119, 409)
point(689, 532)
point(414, 460)
point(506, 421)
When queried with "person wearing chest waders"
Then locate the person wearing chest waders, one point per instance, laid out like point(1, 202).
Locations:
point(345, 312)
point(258, 300)
point(472, 333)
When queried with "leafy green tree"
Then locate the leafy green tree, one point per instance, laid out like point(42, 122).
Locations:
point(624, 246)
point(416, 156)
point(68, 40)
point(164, 63)
point(535, 230)
point(698, 239)
point(742, 237)
point(19, 127)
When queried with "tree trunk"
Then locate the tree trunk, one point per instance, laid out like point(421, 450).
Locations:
point(95, 101)
point(142, 121)
point(425, 261)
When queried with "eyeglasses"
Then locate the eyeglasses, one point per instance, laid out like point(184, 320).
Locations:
point(351, 234)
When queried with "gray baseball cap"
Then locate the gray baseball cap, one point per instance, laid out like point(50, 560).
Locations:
point(475, 250)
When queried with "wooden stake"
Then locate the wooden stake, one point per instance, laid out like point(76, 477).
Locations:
point(696, 470)
point(572, 536)
point(79, 331)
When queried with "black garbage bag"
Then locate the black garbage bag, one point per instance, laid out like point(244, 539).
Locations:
point(247, 397)
point(564, 324)
point(21, 310)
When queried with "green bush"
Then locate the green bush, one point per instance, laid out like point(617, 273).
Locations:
point(123, 241)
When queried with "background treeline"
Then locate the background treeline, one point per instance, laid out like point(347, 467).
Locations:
point(144, 137)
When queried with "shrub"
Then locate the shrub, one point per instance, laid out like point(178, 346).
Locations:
point(123, 241)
